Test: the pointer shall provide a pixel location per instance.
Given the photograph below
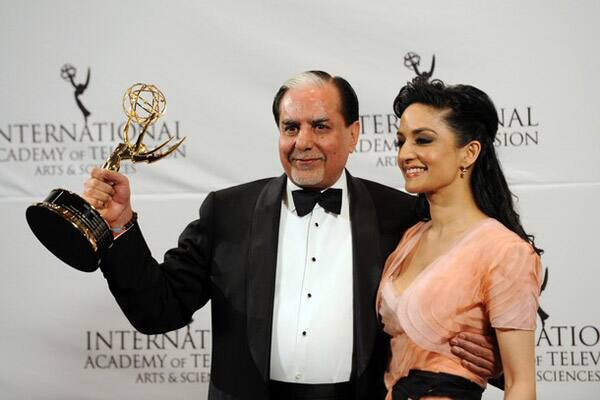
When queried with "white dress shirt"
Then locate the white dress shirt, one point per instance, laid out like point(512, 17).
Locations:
point(312, 338)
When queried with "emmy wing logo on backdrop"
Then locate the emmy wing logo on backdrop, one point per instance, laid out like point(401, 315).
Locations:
point(68, 72)
point(412, 61)
point(541, 313)
point(41, 152)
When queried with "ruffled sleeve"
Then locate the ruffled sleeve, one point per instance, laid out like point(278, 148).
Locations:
point(511, 287)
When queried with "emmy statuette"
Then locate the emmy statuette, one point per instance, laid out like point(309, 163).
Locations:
point(66, 224)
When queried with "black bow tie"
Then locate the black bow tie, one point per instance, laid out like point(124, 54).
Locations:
point(305, 200)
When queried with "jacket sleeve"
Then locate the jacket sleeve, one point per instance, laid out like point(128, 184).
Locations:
point(156, 297)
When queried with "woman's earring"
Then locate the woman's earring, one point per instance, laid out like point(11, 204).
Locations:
point(462, 171)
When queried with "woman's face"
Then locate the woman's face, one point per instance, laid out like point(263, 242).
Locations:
point(428, 154)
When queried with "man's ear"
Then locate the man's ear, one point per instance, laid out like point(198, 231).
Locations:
point(354, 134)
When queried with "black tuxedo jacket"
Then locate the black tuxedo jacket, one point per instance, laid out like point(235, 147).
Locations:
point(228, 256)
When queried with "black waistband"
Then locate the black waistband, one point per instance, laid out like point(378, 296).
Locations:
point(304, 391)
point(424, 383)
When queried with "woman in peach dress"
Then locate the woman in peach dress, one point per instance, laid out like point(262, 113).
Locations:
point(468, 266)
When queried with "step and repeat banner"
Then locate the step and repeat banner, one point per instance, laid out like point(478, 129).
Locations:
point(66, 65)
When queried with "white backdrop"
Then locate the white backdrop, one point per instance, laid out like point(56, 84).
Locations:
point(219, 65)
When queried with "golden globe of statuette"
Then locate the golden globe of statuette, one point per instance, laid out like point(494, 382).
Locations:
point(144, 103)
point(71, 228)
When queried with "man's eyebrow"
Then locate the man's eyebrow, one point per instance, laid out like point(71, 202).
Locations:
point(320, 120)
point(289, 122)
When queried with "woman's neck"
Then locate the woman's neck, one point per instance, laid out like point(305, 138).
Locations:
point(453, 210)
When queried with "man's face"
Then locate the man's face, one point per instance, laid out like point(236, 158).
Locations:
point(314, 141)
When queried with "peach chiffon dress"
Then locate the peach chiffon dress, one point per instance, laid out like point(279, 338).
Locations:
point(489, 278)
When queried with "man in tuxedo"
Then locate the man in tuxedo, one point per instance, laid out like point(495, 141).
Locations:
point(291, 264)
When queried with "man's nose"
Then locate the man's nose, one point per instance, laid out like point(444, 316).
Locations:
point(305, 138)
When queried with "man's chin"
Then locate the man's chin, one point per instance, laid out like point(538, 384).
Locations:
point(307, 179)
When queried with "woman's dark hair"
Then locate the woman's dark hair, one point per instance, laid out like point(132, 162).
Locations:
point(472, 116)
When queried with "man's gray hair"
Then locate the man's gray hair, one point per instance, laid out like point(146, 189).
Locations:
point(348, 99)
point(307, 78)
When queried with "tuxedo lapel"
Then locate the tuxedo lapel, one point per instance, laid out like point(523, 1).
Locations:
point(367, 263)
point(260, 275)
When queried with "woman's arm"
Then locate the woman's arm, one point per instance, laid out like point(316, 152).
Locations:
point(517, 351)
